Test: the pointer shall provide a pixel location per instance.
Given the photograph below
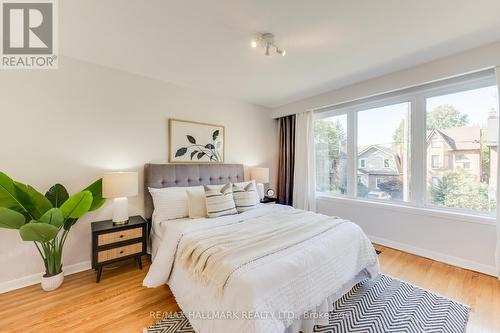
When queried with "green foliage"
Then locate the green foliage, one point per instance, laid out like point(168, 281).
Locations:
point(57, 194)
point(77, 205)
point(10, 219)
point(446, 116)
point(97, 200)
point(36, 231)
point(462, 189)
point(53, 217)
point(49, 216)
point(362, 190)
point(392, 186)
point(398, 136)
point(330, 140)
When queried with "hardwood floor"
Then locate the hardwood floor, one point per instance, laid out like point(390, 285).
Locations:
point(119, 303)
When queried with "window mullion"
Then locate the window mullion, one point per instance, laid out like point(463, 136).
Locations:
point(352, 134)
point(418, 151)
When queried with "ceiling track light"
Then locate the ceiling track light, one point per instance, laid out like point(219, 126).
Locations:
point(266, 41)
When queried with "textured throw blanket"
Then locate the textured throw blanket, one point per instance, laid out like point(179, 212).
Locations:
point(211, 256)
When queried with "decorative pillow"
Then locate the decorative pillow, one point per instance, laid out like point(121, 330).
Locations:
point(219, 200)
point(197, 205)
point(244, 184)
point(245, 197)
point(170, 202)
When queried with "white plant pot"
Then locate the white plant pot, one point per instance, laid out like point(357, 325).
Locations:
point(52, 282)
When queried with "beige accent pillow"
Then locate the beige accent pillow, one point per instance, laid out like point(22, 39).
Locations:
point(219, 199)
point(197, 205)
point(245, 197)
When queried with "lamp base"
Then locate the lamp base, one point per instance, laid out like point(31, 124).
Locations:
point(260, 190)
point(120, 222)
point(120, 211)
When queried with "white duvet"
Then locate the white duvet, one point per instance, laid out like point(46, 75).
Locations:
point(271, 294)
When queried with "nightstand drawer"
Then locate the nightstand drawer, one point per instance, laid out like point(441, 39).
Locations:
point(119, 252)
point(118, 236)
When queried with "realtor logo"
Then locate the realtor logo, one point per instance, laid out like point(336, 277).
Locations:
point(28, 34)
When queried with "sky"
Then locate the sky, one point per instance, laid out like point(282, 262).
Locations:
point(377, 126)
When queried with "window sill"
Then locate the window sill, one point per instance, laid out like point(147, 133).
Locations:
point(410, 209)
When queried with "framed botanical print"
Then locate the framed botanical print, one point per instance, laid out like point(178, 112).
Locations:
point(195, 142)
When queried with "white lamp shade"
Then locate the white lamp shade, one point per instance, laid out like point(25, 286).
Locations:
point(120, 184)
point(260, 175)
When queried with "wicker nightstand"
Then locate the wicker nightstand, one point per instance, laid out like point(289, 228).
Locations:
point(113, 243)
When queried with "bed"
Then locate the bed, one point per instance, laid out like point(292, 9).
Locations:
point(289, 290)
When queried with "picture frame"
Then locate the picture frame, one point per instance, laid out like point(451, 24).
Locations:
point(195, 142)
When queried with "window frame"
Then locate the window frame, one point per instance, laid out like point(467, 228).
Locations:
point(388, 163)
point(435, 142)
point(362, 163)
point(437, 165)
point(416, 97)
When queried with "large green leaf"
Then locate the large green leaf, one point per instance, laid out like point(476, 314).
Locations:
point(38, 232)
point(9, 197)
point(68, 223)
point(97, 200)
point(11, 219)
point(35, 202)
point(77, 205)
point(57, 195)
point(53, 216)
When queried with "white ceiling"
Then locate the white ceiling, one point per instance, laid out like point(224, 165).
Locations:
point(204, 44)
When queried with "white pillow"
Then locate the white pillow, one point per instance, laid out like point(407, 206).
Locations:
point(244, 197)
point(197, 205)
point(220, 200)
point(245, 184)
point(170, 202)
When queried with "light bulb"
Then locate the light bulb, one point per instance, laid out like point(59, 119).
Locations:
point(253, 44)
point(281, 52)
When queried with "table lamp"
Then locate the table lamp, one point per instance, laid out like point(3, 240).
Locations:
point(261, 177)
point(120, 186)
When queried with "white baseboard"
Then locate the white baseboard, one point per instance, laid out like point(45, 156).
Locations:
point(36, 278)
point(451, 260)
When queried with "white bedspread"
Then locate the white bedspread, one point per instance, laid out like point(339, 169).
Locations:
point(269, 294)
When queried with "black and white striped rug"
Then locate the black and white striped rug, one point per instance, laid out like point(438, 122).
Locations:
point(379, 305)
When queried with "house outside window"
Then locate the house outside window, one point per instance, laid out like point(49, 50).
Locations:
point(435, 161)
point(378, 182)
point(386, 163)
point(362, 163)
point(435, 143)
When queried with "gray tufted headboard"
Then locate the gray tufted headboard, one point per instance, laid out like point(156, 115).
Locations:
point(174, 175)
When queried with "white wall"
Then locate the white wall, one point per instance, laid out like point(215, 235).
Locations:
point(72, 124)
point(487, 56)
point(462, 242)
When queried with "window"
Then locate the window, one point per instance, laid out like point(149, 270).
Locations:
point(435, 142)
point(330, 135)
point(435, 161)
point(468, 120)
point(432, 146)
point(382, 132)
point(435, 181)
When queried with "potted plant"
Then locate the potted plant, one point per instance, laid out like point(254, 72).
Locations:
point(46, 219)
